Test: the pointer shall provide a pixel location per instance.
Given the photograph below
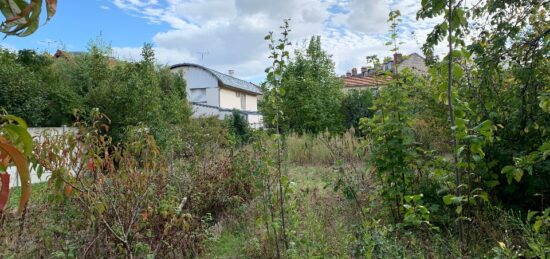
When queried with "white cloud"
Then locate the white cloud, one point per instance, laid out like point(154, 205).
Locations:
point(232, 31)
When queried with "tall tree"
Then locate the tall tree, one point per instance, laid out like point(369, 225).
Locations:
point(312, 92)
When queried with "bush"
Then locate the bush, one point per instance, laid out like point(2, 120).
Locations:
point(357, 104)
point(47, 91)
point(238, 127)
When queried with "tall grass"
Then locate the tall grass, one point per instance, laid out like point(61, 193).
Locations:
point(324, 149)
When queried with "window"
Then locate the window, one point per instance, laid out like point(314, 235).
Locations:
point(243, 101)
point(198, 95)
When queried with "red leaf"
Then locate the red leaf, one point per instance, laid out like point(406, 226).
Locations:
point(91, 165)
point(5, 192)
point(51, 6)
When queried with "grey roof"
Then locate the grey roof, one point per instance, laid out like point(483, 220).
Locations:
point(226, 80)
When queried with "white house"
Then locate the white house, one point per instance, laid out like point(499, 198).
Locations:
point(217, 94)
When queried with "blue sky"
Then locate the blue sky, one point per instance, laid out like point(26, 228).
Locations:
point(230, 31)
point(78, 22)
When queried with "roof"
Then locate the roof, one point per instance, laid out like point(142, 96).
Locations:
point(405, 58)
point(365, 81)
point(416, 54)
point(226, 80)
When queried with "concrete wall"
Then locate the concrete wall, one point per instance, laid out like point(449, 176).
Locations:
point(38, 136)
point(200, 111)
point(415, 63)
point(255, 121)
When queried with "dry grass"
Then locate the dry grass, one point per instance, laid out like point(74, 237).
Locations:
point(324, 149)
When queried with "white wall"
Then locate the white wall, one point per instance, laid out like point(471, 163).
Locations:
point(251, 103)
point(199, 78)
point(38, 135)
point(230, 100)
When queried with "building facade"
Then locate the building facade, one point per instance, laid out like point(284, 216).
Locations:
point(374, 78)
point(213, 93)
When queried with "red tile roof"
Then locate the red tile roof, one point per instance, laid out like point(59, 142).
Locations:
point(367, 81)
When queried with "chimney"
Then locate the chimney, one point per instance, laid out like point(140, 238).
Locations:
point(231, 72)
point(397, 58)
point(348, 74)
point(364, 70)
point(58, 53)
point(354, 71)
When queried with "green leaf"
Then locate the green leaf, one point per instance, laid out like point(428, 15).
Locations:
point(448, 199)
point(459, 209)
point(537, 225)
point(284, 180)
point(19, 121)
point(484, 196)
point(19, 135)
point(518, 174)
point(509, 172)
point(531, 214)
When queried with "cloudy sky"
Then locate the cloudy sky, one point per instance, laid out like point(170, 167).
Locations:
point(228, 34)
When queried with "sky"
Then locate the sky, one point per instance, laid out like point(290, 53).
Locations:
point(228, 34)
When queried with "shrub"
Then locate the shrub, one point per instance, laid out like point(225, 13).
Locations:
point(357, 104)
point(238, 127)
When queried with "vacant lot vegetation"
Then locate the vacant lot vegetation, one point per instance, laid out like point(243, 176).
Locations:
point(449, 164)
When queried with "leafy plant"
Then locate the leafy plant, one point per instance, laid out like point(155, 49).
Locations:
point(15, 148)
point(22, 17)
point(238, 127)
point(310, 93)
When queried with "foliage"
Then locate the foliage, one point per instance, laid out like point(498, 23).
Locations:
point(311, 93)
point(198, 137)
point(15, 148)
point(22, 17)
point(132, 95)
point(272, 175)
point(357, 104)
point(21, 96)
point(118, 90)
point(392, 144)
point(238, 127)
point(129, 199)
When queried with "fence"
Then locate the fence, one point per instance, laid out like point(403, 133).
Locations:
point(38, 134)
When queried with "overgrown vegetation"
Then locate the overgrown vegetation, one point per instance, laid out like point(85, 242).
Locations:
point(449, 164)
point(311, 93)
point(57, 90)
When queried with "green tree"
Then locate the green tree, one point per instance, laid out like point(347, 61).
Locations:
point(357, 104)
point(238, 127)
point(136, 94)
point(312, 93)
point(21, 95)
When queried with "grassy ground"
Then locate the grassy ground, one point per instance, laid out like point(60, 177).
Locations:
point(38, 194)
point(317, 213)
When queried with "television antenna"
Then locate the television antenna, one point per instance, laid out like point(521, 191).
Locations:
point(49, 43)
point(203, 54)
